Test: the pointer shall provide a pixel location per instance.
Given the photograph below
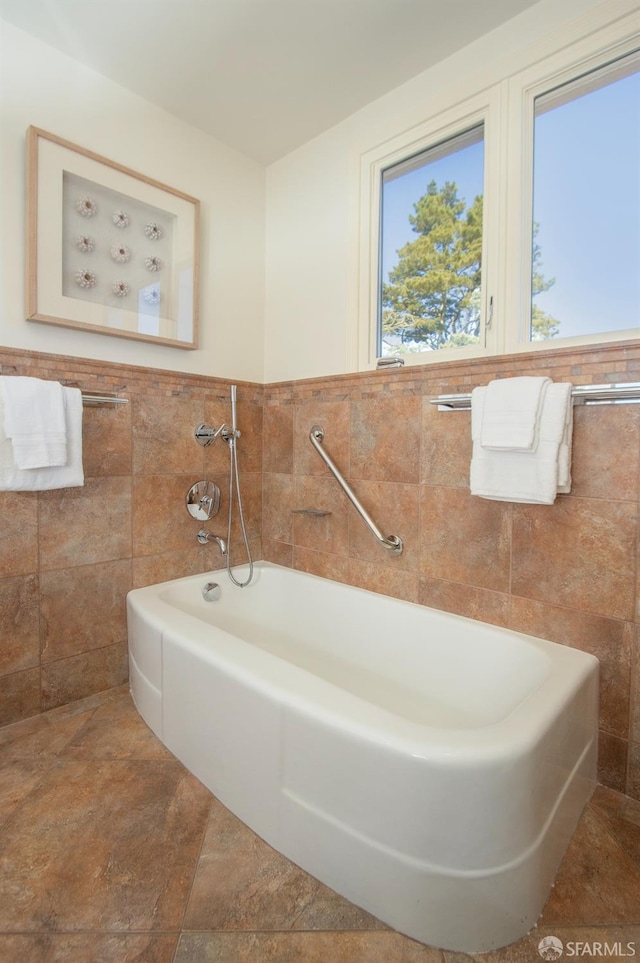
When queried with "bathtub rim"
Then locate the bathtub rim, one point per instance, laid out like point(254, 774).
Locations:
point(297, 688)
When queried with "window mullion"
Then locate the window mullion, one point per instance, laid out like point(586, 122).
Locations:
point(494, 206)
point(516, 252)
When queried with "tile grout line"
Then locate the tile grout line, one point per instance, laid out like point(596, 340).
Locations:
point(181, 928)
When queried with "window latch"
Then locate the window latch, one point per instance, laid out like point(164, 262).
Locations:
point(489, 320)
point(389, 362)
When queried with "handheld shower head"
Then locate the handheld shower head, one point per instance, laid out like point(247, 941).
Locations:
point(233, 407)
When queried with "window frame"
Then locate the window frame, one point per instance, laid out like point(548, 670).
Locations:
point(436, 152)
point(525, 88)
point(506, 110)
point(483, 109)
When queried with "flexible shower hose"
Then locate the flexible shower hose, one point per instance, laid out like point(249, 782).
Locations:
point(233, 474)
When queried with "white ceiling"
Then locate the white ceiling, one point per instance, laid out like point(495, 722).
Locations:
point(263, 76)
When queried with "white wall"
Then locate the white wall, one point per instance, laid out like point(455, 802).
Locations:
point(306, 327)
point(40, 86)
point(312, 194)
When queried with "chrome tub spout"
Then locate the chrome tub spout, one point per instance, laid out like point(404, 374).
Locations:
point(204, 537)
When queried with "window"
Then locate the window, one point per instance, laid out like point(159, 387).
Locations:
point(586, 205)
point(510, 221)
point(431, 248)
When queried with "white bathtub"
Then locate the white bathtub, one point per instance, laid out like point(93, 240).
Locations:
point(428, 767)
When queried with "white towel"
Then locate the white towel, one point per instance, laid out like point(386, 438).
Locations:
point(564, 452)
point(70, 475)
point(34, 420)
point(534, 477)
point(512, 408)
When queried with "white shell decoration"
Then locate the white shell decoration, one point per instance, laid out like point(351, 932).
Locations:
point(85, 243)
point(151, 295)
point(120, 253)
point(120, 289)
point(152, 263)
point(86, 206)
point(85, 279)
point(153, 231)
point(120, 219)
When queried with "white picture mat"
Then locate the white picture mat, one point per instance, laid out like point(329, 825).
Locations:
point(53, 305)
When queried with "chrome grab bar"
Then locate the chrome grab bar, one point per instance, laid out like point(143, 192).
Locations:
point(393, 543)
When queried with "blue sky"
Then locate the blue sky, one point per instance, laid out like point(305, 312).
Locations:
point(586, 202)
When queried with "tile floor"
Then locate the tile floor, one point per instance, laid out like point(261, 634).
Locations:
point(111, 852)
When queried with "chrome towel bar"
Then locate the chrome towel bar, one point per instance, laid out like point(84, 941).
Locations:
point(617, 394)
point(95, 399)
point(393, 543)
point(92, 400)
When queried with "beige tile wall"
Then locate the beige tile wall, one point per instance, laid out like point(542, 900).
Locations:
point(68, 557)
point(567, 572)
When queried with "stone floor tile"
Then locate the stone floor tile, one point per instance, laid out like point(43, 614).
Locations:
point(39, 737)
point(597, 883)
point(18, 777)
point(106, 847)
point(621, 815)
point(578, 942)
point(241, 883)
point(88, 702)
point(87, 948)
point(375, 947)
point(116, 731)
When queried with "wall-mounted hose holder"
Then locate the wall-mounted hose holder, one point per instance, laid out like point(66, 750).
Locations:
point(318, 512)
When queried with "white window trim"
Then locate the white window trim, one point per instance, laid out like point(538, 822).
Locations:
point(506, 110)
point(483, 109)
point(580, 58)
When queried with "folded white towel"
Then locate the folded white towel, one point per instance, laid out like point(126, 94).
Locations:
point(70, 475)
point(534, 477)
point(564, 452)
point(511, 416)
point(34, 420)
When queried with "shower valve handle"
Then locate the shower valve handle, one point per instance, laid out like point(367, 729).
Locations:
point(206, 435)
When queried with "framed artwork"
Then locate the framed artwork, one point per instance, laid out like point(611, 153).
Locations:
point(108, 250)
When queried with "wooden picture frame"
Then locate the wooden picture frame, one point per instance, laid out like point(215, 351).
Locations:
point(108, 249)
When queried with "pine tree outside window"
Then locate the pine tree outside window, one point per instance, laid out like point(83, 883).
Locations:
point(431, 283)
